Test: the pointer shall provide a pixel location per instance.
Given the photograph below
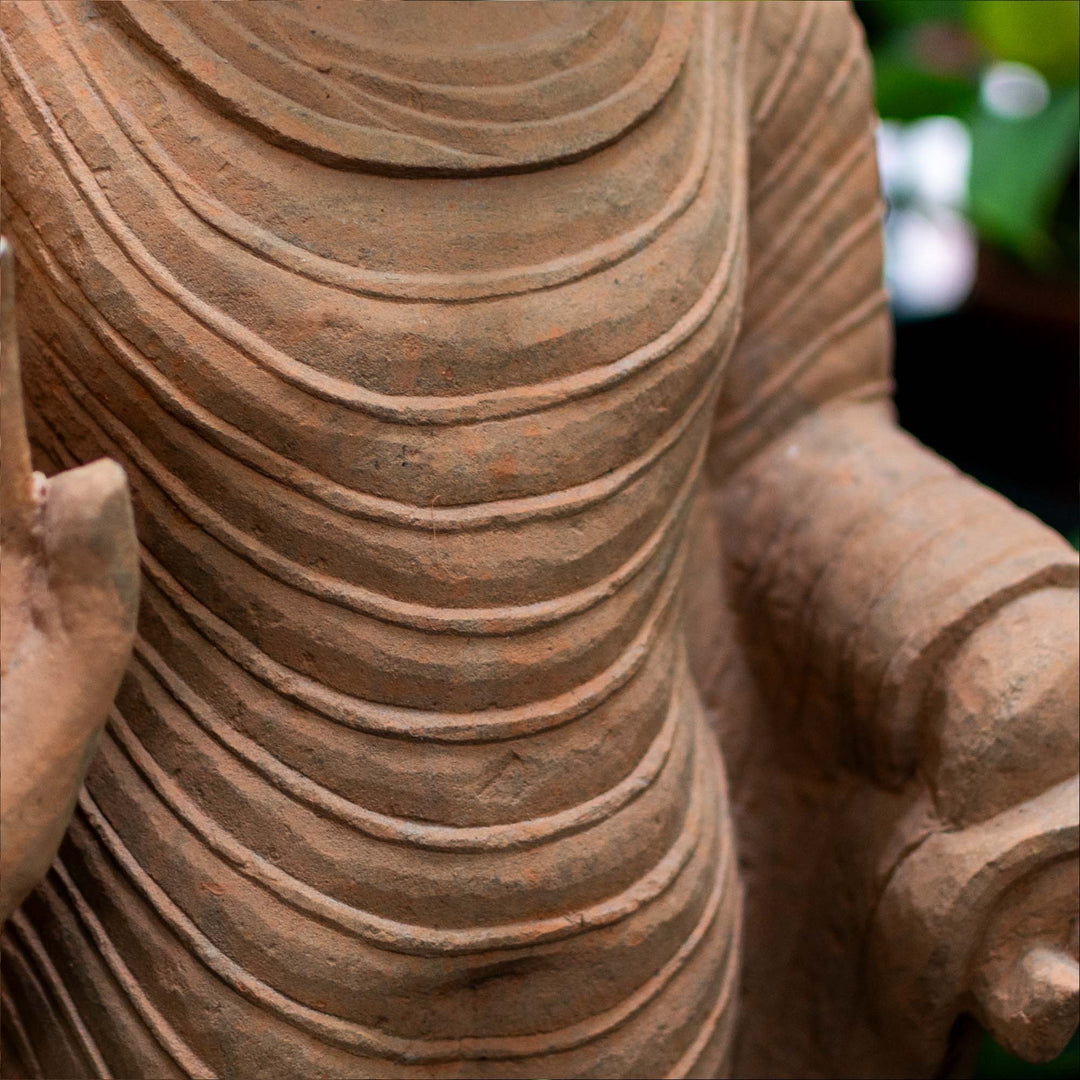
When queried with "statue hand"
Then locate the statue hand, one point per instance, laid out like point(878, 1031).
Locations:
point(981, 916)
point(68, 598)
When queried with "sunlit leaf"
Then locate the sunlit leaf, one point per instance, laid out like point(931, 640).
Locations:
point(1018, 171)
point(1042, 33)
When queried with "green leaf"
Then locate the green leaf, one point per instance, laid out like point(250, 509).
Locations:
point(911, 12)
point(1019, 168)
point(905, 91)
point(1044, 34)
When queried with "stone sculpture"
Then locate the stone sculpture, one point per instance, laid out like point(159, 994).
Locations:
point(69, 585)
point(504, 393)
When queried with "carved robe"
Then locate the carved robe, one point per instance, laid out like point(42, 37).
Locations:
point(503, 392)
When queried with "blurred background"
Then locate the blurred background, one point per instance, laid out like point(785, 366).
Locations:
point(978, 150)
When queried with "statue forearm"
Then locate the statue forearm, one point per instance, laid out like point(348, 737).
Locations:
point(863, 562)
point(922, 632)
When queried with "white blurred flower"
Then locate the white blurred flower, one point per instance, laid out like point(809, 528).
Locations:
point(1013, 91)
point(930, 249)
point(926, 162)
point(892, 158)
point(939, 156)
point(930, 261)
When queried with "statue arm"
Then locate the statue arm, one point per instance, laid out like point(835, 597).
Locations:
point(909, 626)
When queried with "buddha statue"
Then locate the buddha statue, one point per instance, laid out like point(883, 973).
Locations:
point(552, 660)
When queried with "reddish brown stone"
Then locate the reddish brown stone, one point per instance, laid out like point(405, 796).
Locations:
point(69, 586)
point(503, 391)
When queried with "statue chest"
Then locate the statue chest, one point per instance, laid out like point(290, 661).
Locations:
point(436, 401)
point(438, 340)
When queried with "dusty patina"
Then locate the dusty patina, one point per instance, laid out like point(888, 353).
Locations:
point(69, 586)
point(504, 393)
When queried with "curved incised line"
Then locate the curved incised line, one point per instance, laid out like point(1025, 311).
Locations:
point(358, 97)
point(664, 874)
point(389, 112)
point(466, 517)
point(503, 837)
point(350, 54)
point(10, 1017)
point(781, 241)
point(797, 644)
point(846, 652)
point(391, 934)
point(780, 166)
point(354, 1036)
point(542, 50)
point(378, 931)
point(20, 926)
point(781, 73)
point(401, 409)
point(376, 718)
point(186, 1060)
point(911, 652)
point(860, 229)
point(239, 444)
point(874, 304)
point(268, 246)
point(245, 448)
point(348, 145)
point(724, 1009)
point(312, 46)
point(500, 620)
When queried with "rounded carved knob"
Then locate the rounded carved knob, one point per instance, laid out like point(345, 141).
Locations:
point(1033, 1011)
point(1027, 984)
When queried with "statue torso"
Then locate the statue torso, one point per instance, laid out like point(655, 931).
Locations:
point(414, 386)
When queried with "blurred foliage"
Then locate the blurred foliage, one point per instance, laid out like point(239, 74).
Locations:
point(1019, 169)
point(1044, 34)
point(929, 58)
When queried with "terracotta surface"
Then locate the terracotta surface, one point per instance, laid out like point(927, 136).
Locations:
point(69, 588)
point(504, 395)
